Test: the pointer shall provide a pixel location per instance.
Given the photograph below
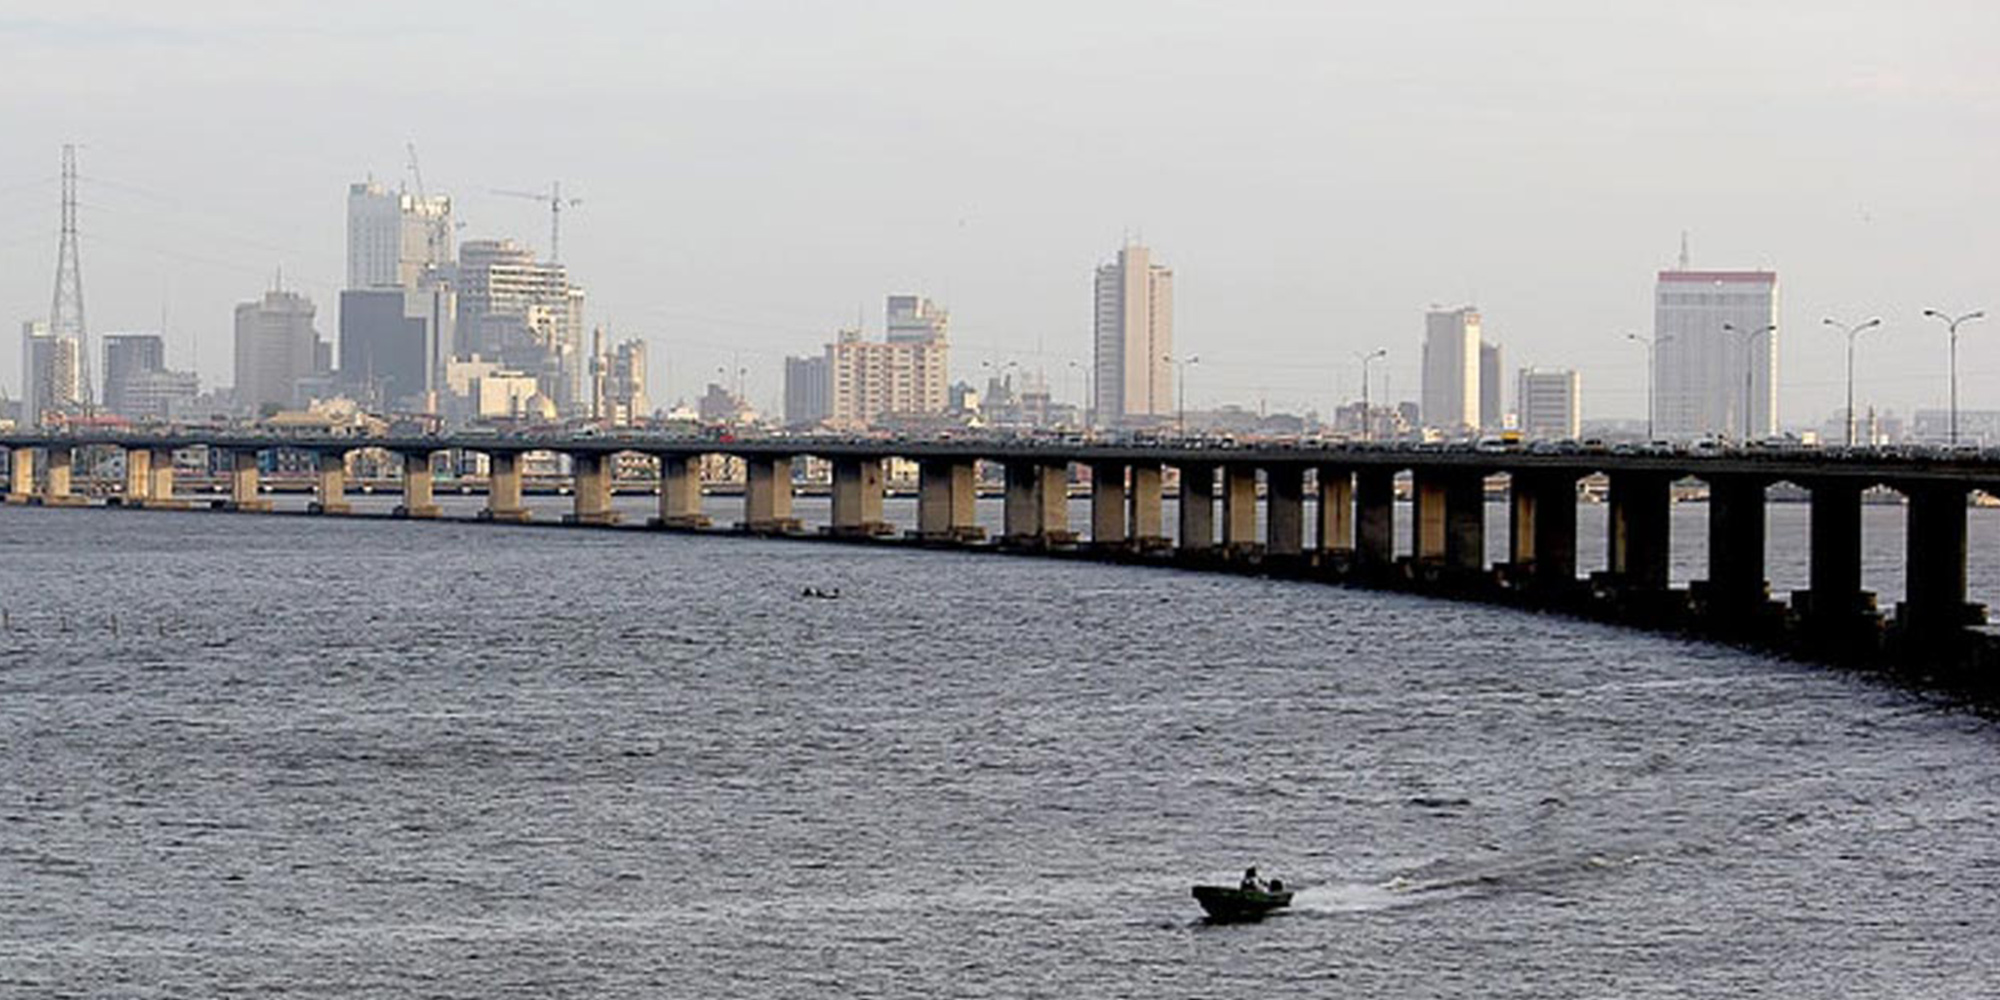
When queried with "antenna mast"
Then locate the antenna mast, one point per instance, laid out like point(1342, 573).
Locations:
point(66, 309)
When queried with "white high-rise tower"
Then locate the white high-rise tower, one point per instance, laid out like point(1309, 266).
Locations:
point(1135, 339)
point(1451, 392)
point(1715, 348)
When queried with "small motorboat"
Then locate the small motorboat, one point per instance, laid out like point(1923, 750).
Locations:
point(1228, 902)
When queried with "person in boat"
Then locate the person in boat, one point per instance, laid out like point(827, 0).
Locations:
point(1251, 883)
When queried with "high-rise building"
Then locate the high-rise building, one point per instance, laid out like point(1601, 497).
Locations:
point(386, 352)
point(620, 383)
point(394, 237)
point(1715, 353)
point(868, 381)
point(137, 383)
point(806, 389)
point(1492, 406)
point(51, 374)
point(276, 346)
point(1451, 390)
point(1550, 402)
point(524, 313)
point(1134, 339)
point(914, 320)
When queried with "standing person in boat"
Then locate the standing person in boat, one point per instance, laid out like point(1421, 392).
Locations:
point(1251, 883)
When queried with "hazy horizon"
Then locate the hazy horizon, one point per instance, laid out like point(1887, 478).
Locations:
point(755, 175)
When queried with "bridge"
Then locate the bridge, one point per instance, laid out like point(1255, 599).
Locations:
point(1327, 512)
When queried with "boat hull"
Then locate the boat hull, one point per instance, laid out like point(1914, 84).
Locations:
point(1231, 903)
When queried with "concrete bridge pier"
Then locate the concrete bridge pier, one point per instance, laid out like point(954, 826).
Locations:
point(1541, 549)
point(1735, 591)
point(1239, 510)
point(419, 498)
point(1107, 506)
point(680, 494)
point(767, 496)
point(160, 481)
point(1197, 505)
point(1285, 511)
point(857, 498)
point(138, 476)
point(56, 479)
point(330, 484)
point(1037, 505)
point(1834, 606)
point(590, 487)
point(1335, 532)
point(1934, 608)
point(946, 491)
point(1144, 498)
point(503, 488)
point(20, 475)
point(244, 483)
point(1448, 520)
point(1374, 519)
point(1639, 530)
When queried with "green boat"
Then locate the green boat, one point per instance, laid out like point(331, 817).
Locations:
point(1229, 903)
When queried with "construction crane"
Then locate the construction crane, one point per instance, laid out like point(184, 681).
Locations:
point(553, 197)
point(436, 228)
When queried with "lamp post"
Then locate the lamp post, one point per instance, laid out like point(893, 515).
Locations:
point(1851, 330)
point(1951, 324)
point(1652, 367)
point(1089, 395)
point(1180, 419)
point(1367, 358)
point(1749, 369)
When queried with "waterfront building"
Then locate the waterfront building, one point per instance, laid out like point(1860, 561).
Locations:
point(51, 373)
point(277, 345)
point(394, 237)
point(807, 384)
point(868, 381)
point(1451, 368)
point(1715, 353)
point(1134, 339)
point(1550, 403)
point(386, 348)
point(1492, 405)
point(137, 382)
point(618, 381)
point(523, 312)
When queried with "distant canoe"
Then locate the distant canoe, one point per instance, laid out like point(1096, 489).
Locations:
point(1231, 903)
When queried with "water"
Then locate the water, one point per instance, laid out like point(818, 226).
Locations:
point(339, 759)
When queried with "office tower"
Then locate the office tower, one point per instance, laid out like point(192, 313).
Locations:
point(1492, 410)
point(51, 374)
point(276, 346)
point(394, 237)
point(1451, 394)
point(1134, 339)
point(806, 389)
point(386, 350)
point(137, 382)
point(913, 319)
point(1715, 352)
point(620, 383)
point(524, 313)
point(1550, 401)
point(869, 381)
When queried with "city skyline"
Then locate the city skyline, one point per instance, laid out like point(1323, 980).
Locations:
point(1559, 232)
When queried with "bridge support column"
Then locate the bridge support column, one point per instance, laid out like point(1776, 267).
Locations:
point(20, 475)
point(590, 479)
point(56, 480)
point(418, 498)
point(1834, 601)
point(946, 491)
point(138, 476)
point(1735, 589)
point(1284, 510)
point(160, 481)
point(1239, 509)
point(1336, 511)
point(1542, 528)
point(1107, 505)
point(767, 496)
point(1934, 607)
point(1037, 505)
point(1374, 518)
point(1449, 519)
point(503, 488)
point(330, 484)
point(1148, 525)
point(680, 493)
point(857, 498)
point(244, 494)
point(1640, 506)
point(1197, 507)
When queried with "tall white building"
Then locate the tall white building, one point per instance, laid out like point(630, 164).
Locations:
point(51, 373)
point(1549, 402)
point(524, 313)
point(1715, 353)
point(393, 237)
point(1451, 390)
point(1134, 339)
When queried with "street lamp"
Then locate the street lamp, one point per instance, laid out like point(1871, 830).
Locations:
point(1851, 331)
point(1749, 369)
point(1089, 395)
point(1951, 323)
point(1652, 368)
point(1367, 358)
point(1180, 418)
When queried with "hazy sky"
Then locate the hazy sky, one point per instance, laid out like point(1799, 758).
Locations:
point(755, 174)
